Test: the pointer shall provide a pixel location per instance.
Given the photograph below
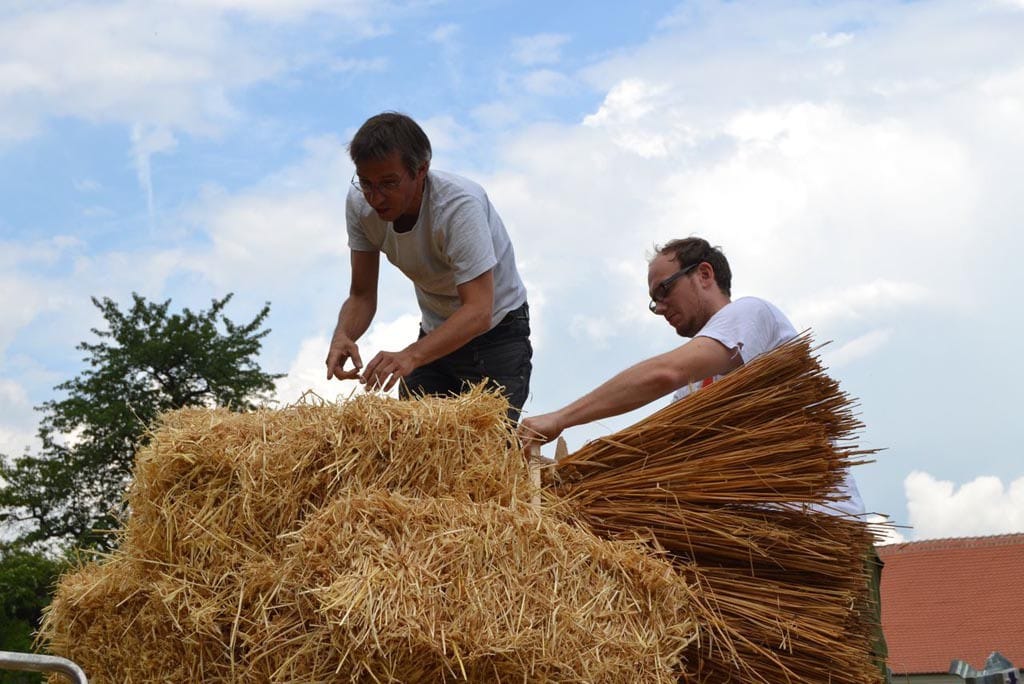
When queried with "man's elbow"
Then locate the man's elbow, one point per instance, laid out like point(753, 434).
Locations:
point(666, 380)
point(480, 321)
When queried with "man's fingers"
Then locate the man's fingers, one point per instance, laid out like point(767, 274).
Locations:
point(371, 368)
point(376, 381)
point(346, 375)
point(336, 360)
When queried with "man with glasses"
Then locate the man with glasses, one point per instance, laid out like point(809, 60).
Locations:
point(690, 284)
point(443, 233)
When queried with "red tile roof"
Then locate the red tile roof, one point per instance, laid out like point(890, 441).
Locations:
point(953, 599)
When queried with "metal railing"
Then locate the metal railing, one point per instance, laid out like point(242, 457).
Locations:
point(998, 670)
point(33, 662)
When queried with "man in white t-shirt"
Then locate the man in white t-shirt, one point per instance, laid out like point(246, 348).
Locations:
point(690, 284)
point(443, 233)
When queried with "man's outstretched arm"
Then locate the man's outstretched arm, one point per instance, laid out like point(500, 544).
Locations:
point(634, 387)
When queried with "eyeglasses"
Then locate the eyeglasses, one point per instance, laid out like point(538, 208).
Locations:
point(662, 289)
point(384, 187)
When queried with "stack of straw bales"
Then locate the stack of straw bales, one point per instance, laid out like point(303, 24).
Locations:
point(374, 540)
point(396, 541)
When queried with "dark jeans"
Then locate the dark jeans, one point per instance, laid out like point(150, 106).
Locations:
point(502, 356)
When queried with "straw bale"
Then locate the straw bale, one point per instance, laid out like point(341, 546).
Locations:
point(430, 590)
point(212, 484)
point(374, 540)
point(123, 623)
point(381, 587)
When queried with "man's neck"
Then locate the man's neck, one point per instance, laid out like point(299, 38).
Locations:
point(406, 222)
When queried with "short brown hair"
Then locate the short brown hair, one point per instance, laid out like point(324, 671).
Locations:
point(694, 250)
point(387, 132)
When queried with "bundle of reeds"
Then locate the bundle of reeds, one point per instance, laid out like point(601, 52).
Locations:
point(726, 480)
point(373, 540)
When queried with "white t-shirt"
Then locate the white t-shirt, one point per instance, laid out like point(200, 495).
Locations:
point(751, 327)
point(457, 237)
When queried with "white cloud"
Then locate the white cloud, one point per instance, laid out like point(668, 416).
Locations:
point(831, 40)
point(27, 294)
point(496, 114)
point(805, 178)
point(13, 394)
point(1004, 93)
point(544, 48)
point(447, 135)
point(106, 62)
point(23, 300)
point(937, 508)
point(861, 302)
point(147, 141)
point(596, 331)
point(307, 371)
point(164, 64)
point(634, 117)
point(858, 348)
point(445, 33)
point(889, 533)
point(377, 64)
point(272, 238)
point(547, 82)
point(280, 228)
point(823, 183)
point(276, 10)
point(17, 426)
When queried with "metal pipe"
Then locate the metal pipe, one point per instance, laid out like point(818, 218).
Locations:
point(33, 662)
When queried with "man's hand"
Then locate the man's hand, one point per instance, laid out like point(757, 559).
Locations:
point(341, 350)
point(540, 429)
point(387, 368)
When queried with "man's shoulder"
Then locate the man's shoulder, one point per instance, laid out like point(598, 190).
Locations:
point(447, 188)
point(757, 310)
point(357, 205)
point(446, 180)
point(749, 305)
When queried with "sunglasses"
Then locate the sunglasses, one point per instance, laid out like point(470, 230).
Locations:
point(662, 289)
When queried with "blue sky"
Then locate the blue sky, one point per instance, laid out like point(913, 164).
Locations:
point(859, 162)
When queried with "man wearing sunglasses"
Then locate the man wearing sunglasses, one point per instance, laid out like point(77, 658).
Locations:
point(443, 233)
point(690, 284)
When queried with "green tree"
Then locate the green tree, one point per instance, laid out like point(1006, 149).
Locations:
point(148, 361)
point(26, 580)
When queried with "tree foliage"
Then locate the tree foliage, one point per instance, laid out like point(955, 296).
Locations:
point(147, 361)
point(26, 579)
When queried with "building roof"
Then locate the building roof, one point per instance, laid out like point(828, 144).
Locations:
point(953, 599)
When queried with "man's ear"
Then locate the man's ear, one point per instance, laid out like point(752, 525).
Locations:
point(706, 273)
